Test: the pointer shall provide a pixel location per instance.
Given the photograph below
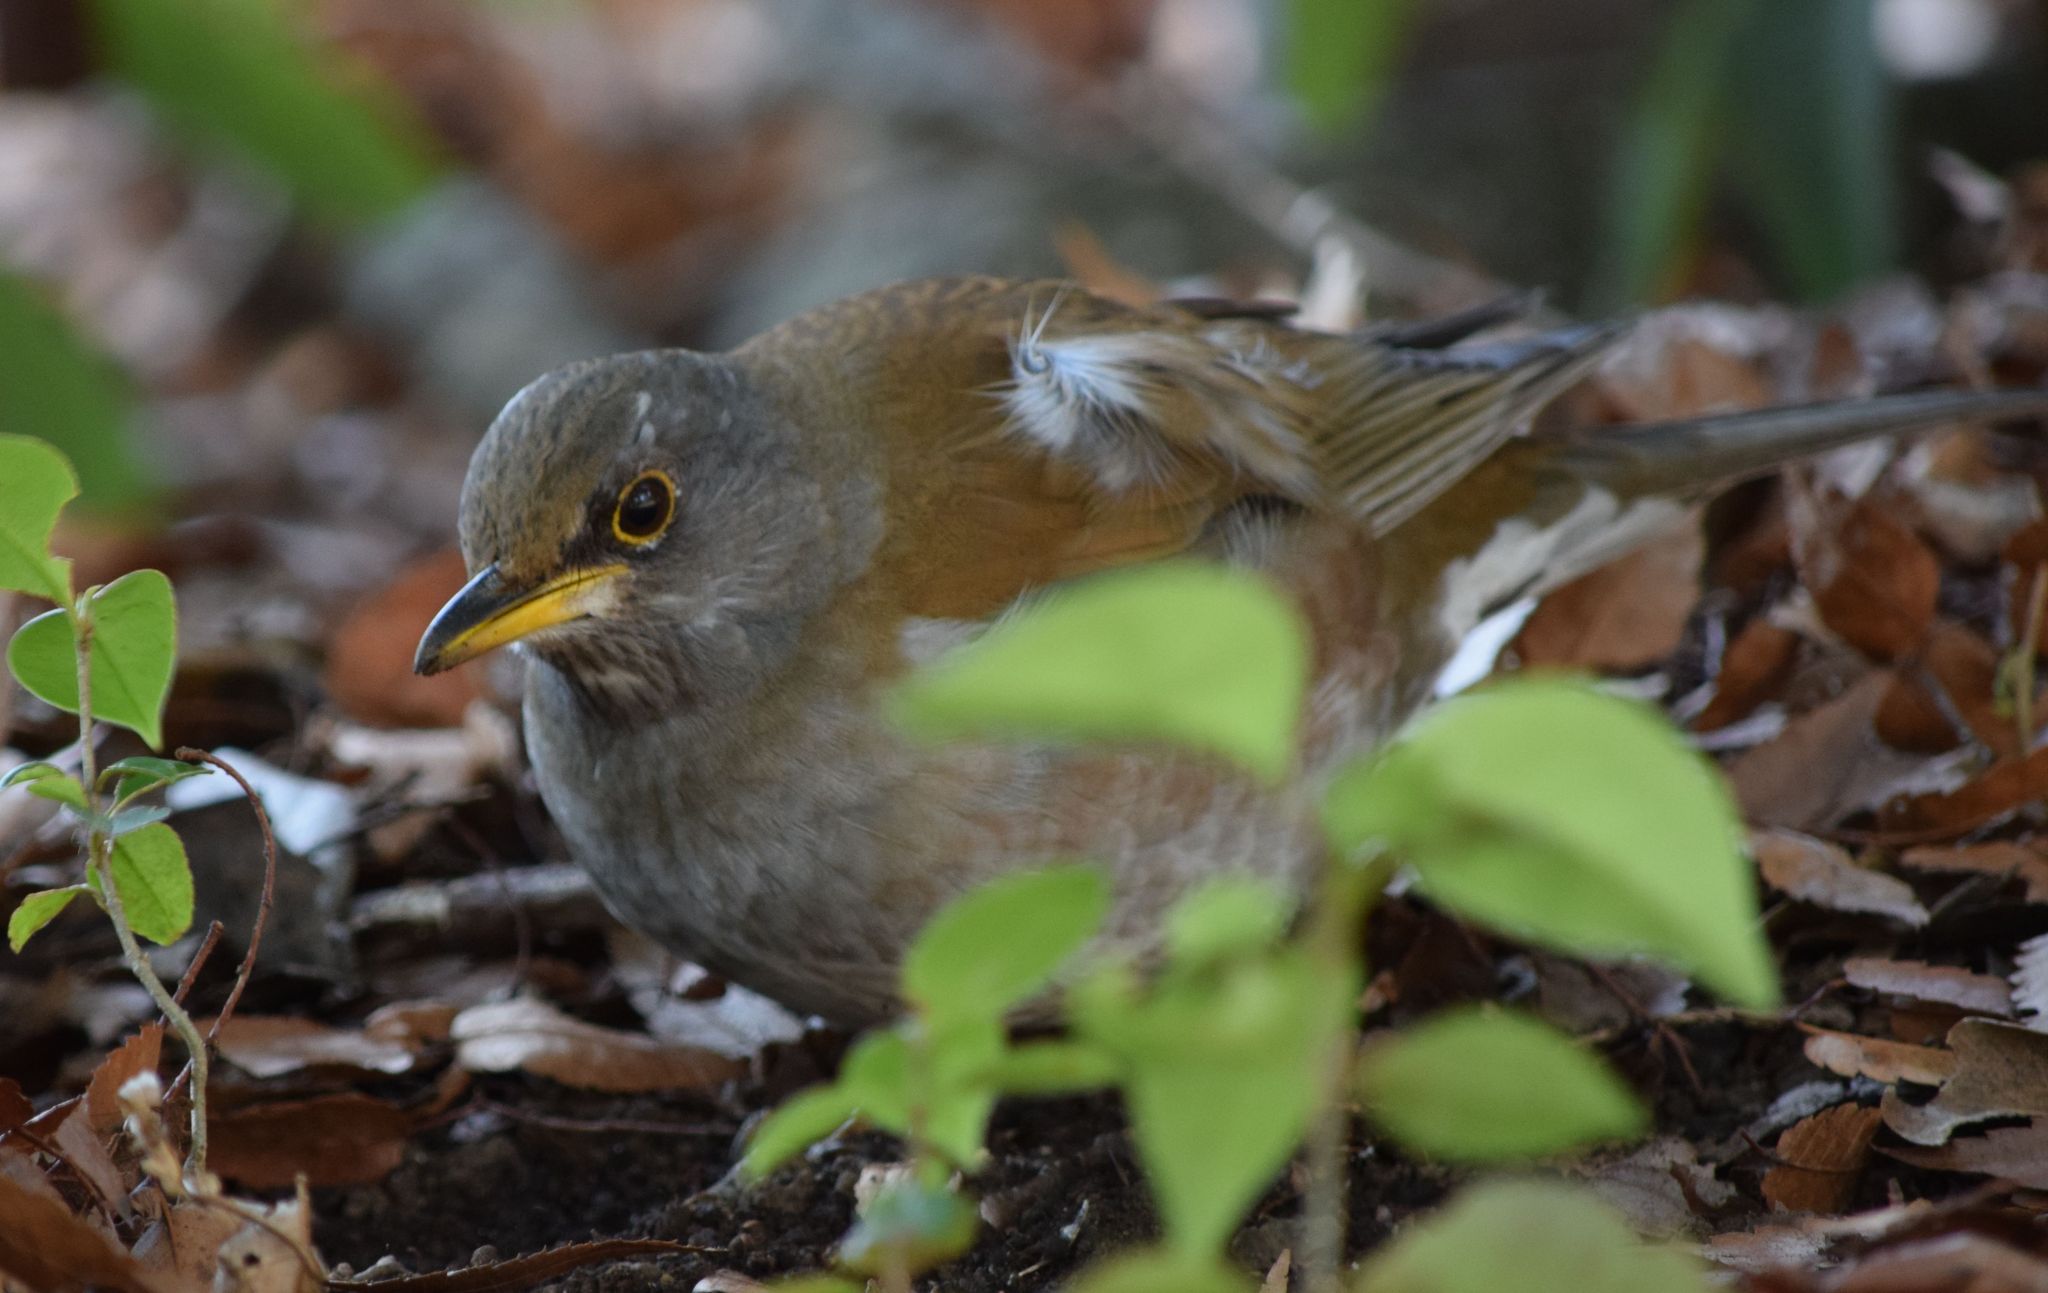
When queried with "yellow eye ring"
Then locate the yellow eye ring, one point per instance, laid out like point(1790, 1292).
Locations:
point(646, 506)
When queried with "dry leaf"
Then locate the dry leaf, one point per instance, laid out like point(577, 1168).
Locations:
point(1818, 872)
point(535, 1037)
point(1276, 1274)
point(1754, 666)
point(2004, 789)
point(90, 1154)
point(1999, 858)
point(15, 1108)
point(2030, 981)
point(341, 1139)
point(1984, 994)
point(1872, 579)
point(1659, 1186)
point(267, 1046)
point(44, 1246)
point(1815, 771)
point(2001, 1071)
point(1821, 1159)
point(272, 1252)
point(369, 659)
point(139, 1054)
point(1965, 669)
point(1878, 1058)
point(1963, 1261)
point(1626, 615)
point(2018, 1154)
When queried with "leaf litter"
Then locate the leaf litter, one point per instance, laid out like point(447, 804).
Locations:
point(493, 1068)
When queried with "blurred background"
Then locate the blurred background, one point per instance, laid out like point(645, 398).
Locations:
point(267, 267)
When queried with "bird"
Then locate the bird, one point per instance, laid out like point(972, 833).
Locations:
point(718, 565)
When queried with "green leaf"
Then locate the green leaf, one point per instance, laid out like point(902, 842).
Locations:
point(1485, 1084)
point(141, 773)
point(134, 648)
point(237, 72)
point(818, 1284)
point(1194, 654)
point(154, 882)
point(876, 1076)
point(1572, 819)
point(1669, 146)
point(48, 781)
point(1161, 1270)
point(998, 945)
point(35, 483)
point(1053, 1068)
point(37, 910)
point(958, 1095)
point(803, 1120)
point(129, 820)
point(910, 1227)
point(1541, 1236)
point(1341, 54)
point(1810, 100)
point(1229, 916)
point(1222, 1074)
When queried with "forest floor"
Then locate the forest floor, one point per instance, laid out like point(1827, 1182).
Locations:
point(487, 1084)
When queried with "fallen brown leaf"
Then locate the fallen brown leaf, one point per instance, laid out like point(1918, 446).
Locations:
point(2004, 789)
point(1878, 1058)
point(1625, 615)
point(1813, 772)
point(535, 1037)
point(369, 659)
point(2018, 1154)
point(1999, 858)
point(267, 1046)
point(1962, 1262)
point(2030, 981)
point(341, 1139)
point(139, 1054)
point(1821, 1159)
point(15, 1108)
point(2001, 1071)
point(1964, 667)
point(1984, 994)
point(1753, 667)
point(1815, 871)
point(45, 1246)
point(1873, 581)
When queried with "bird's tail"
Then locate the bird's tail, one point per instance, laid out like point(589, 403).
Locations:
point(1694, 456)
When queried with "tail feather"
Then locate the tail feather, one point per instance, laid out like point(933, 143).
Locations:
point(1698, 455)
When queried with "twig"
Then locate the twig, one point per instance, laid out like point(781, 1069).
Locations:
point(198, 962)
point(248, 966)
point(2030, 643)
point(1209, 153)
point(522, 920)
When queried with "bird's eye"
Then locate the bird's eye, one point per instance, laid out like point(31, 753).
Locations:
point(645, 508)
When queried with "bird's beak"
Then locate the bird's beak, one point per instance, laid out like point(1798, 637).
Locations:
point(489, 612)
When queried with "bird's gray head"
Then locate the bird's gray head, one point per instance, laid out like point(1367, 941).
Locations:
point(649, 525)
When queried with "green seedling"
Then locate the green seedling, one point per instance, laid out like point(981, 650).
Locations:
point(105, 654)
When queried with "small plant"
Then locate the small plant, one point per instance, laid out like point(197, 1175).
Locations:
point(1539, 807)
point(106, 655)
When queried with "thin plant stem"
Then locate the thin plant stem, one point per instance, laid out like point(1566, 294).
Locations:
point(1348, 894)
point(99, 849)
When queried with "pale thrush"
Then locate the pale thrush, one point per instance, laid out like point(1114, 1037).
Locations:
point(718, 562)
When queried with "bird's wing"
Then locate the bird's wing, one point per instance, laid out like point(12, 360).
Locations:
point(1038, 432)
